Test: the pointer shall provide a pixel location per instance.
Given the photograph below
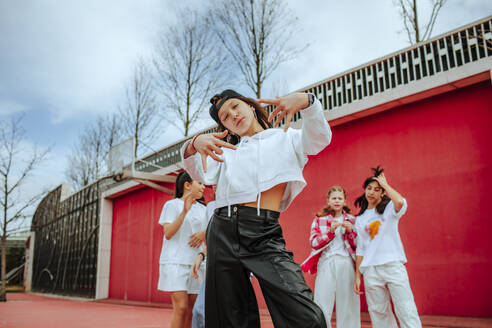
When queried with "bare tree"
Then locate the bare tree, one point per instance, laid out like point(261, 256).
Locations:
point(88, 158)
point(17, 164)
point(409, 14)
point(257, 35)
point(139, 110)
point(190, 66)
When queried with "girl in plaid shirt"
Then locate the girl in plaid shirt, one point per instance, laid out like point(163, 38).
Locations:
point(332, 241)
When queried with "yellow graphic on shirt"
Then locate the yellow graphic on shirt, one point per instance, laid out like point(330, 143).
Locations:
point(373, 228)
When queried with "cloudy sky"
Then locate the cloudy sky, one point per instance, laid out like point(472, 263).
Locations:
point(64, 62)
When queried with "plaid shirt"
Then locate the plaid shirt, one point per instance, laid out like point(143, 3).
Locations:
point(320, 239)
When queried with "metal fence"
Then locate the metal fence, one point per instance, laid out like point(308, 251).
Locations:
point(66, 242)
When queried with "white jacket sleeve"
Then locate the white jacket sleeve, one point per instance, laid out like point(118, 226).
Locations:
point(193, 165)
point(315, 133)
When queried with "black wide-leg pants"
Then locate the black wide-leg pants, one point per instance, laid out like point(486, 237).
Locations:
point(247, 243)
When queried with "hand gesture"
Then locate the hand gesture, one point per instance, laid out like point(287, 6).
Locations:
point(188, 202)
point(196, 266)
point(334, 225)
point(287, 106)
point(210, 145)
point(348, 226)
point(197, 239)
point(381, 179)
point(357, 285)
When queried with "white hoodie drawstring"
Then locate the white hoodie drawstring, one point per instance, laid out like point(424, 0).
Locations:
point(258, 175)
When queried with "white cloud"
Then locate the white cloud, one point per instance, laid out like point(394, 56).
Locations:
point(74, 56)
point(8, 107)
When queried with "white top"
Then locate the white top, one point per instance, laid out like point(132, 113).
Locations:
point(176, 250)
point(211, 206)
point(337, 245)
point(263, 161)
point(386, 246)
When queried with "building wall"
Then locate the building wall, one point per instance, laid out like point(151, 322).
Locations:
point(136, 245)
point(437, 152)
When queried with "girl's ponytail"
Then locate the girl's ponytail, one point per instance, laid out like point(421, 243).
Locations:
point(361, 202)
point(180, 181)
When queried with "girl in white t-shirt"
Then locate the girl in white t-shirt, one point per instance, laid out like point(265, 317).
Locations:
point(183, 218)
point(380, 255)
point(332, 240)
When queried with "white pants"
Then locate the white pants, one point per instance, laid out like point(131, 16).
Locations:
point(335, 280)
point(383, 281)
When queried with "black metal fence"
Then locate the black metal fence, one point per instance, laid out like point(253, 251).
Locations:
point(66, 242)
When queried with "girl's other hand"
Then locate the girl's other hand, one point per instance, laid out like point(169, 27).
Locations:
point(210, 145)
point(348, 226)
point(287, 106)
point(196, 266)
point(334, 225)
point(357, 285)
point(195, 240)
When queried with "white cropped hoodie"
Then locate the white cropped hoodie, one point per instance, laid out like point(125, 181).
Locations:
point(264, 160)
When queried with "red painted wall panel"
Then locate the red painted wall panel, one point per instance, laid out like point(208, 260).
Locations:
point(136, 245)
point(437, 153)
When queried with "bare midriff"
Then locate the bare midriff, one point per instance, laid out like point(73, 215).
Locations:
point(271, 198)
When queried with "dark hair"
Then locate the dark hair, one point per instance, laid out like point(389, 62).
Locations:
point(261, 116)
point(327, 210)
point(180, 181)
point(362, 200)
point(179, 186)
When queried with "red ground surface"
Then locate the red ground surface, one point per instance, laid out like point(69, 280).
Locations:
point(29, 310)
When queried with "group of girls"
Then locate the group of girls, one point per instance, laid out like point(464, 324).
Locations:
point(257, 170)
point(344, 248)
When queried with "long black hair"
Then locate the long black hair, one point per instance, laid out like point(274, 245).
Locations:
point(180, 181)
point(362, 201)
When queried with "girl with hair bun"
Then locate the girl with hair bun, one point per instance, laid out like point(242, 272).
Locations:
point(380, 255)
point(332, 241)
point(183, 219)
point(258, 172)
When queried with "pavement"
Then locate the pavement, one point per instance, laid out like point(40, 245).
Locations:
point(26, 310)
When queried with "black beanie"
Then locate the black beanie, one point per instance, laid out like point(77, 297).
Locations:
point(218, 100)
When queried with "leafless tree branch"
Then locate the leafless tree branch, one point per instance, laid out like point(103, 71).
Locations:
point(17, 163)
point(189, 67)
point(257, 35)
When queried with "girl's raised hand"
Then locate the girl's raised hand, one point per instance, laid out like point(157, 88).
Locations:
point(286, 106)
point(210, 145)
point(381, 179)
point(188, 202)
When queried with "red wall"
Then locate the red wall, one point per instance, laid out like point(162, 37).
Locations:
point(136, 246)
point(437, 153)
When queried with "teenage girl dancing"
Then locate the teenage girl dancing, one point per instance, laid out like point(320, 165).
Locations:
point(258, 172)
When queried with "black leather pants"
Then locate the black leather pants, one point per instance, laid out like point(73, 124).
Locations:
point(245, 243)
